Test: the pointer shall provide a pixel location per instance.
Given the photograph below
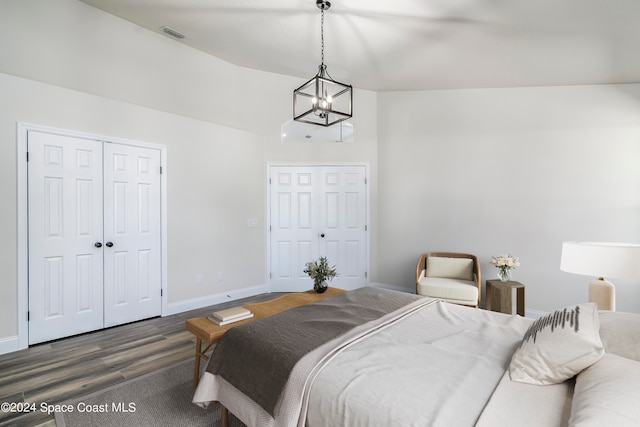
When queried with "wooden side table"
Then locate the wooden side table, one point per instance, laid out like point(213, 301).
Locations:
point(499, 296)
point(209, 333)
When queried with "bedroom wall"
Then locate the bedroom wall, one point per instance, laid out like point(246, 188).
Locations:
point(492, 171)
point(67, 65)
point(486, 171)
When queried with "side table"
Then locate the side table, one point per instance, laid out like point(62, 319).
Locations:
point(499, 296)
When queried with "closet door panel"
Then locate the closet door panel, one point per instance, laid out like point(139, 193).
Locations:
point(132, 233)
point(65, 236)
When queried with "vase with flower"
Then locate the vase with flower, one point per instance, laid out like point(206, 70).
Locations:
point(504, 264)
point(320, 272)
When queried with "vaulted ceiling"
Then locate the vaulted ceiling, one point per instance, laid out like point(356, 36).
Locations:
point(387, 45)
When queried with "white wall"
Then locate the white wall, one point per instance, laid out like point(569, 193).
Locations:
point(67, 65)
point(492, 171)
point(567, 156)
point(207, 210)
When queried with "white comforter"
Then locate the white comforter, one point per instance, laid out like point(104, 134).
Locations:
point(444, 365)
point(439, 366)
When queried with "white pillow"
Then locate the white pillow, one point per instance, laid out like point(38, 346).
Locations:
point(620, 333)
point(607, 394)
point(450, 268)
point(558, 346)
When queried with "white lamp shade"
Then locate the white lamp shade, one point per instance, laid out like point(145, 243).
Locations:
point(601, 259)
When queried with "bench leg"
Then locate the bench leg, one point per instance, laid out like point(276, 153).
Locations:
point(224, 416)
point(200, 353)
point(196, 369)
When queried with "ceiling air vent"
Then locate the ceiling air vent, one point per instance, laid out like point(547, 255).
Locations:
point(172, 32)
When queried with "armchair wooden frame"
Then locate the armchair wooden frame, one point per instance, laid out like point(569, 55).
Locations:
point(422, 265)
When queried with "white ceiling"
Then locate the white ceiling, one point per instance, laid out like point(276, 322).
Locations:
point(411, 44)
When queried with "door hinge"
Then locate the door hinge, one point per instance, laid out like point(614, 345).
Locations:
point(269, 181)
point(160, 170)
point(366, 274)
point(365, 181)
point(27, 156)
point(160, 291)
point(270, 276)
point(366, 228)
point(28, 315)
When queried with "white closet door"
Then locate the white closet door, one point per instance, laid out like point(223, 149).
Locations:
point(131, 233)
point(342, 223)
point(293, 233)
point(317, 211)
point(65, 228)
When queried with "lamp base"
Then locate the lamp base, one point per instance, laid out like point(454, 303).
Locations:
point(603, 293)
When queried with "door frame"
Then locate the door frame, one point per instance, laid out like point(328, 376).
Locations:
point(23, 215)
point(319, 164)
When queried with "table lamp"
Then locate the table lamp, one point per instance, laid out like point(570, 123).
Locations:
point(602, 259)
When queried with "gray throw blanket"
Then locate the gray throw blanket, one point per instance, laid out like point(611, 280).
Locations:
point(257, 358)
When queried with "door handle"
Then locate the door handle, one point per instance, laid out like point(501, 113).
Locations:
point(322, 235)
point(109, 244)
point(97, 244)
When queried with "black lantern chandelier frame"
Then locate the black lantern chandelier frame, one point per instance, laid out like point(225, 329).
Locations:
point(322, 100)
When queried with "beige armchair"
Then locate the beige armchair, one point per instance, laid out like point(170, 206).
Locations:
point(451, 276)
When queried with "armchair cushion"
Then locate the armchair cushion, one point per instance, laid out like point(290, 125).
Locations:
point(450, 268)
point(448, 289)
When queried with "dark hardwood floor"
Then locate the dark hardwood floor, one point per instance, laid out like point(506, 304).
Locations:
point(65, 369)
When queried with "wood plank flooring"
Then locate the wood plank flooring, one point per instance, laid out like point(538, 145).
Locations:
point(72, 367)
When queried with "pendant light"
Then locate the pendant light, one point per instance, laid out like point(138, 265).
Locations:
point(322, 100)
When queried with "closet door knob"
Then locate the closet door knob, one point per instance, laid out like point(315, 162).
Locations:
point(109, 244)
point(97, 244)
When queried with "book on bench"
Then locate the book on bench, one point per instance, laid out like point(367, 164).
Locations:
point(230, 315)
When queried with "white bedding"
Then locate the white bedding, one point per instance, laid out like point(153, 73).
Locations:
point(450, 357)
point(291, 408)
point(443, 365)
point(529, 405)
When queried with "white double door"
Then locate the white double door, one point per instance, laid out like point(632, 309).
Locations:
point(94, 235)
point(317, 211)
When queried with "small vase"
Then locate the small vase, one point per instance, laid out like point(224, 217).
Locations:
point(504, 275)
point(320, 287)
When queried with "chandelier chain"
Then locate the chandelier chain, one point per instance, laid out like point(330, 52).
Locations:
point(322, 36)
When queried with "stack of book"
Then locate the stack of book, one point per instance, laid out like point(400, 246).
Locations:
point(230, 315)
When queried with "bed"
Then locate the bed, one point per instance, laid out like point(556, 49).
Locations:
point(375, 357)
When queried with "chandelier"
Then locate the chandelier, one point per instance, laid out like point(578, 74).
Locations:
point(322, 100)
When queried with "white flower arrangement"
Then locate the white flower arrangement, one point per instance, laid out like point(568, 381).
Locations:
point(505, 263)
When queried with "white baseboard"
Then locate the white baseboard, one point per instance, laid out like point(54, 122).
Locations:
point(9, 345)
point(196, 303)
